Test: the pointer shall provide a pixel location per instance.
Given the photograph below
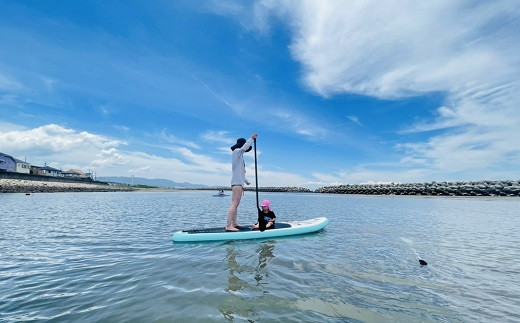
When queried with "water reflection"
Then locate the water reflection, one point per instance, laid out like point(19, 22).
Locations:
point(264, 256)
point(247, 279)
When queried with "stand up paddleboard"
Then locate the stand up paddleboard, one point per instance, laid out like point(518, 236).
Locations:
point(281, 229)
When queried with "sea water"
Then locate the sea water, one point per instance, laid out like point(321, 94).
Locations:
point(110, 257)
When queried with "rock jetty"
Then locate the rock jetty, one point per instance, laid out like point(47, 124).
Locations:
point(28, 186)
point(480, 188)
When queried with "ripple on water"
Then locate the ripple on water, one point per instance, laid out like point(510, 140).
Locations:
point(98, 256)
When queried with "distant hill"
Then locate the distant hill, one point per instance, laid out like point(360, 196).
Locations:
point(165, 183)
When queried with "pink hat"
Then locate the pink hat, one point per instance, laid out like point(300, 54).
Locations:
point(266, 203)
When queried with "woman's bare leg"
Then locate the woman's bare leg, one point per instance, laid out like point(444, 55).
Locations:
point(233, 209)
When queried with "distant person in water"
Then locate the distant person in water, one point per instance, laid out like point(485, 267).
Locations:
point(238, 180)
point(268, 214)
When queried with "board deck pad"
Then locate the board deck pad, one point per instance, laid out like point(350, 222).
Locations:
point(243, 228)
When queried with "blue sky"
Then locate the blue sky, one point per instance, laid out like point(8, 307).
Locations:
point(338, 91)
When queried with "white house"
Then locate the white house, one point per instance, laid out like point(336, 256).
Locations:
point(22, 166)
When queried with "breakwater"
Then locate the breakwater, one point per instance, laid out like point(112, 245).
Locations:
point(38, 186)
point(480, 188)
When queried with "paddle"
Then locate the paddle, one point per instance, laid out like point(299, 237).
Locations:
point(261, 221)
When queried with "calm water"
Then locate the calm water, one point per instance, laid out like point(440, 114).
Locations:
point(109, 257)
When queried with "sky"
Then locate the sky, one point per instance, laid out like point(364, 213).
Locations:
point(339, 92)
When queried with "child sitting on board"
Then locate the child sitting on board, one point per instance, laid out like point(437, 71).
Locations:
point(268, 214)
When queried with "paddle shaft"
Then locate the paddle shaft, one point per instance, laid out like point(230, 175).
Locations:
point(256, 179)
point(261, 221)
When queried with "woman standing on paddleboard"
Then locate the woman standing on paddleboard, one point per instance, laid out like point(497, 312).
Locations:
point(238, 180)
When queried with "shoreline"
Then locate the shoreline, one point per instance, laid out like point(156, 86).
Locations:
point(508, 188)
point(33, 186)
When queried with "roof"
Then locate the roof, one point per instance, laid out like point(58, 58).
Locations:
point(75, 171)
point(49, 168)
point(20, 161)
point(15, 159)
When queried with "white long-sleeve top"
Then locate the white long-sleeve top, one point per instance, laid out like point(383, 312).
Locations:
point(238, 165)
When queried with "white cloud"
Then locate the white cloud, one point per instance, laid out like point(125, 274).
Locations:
point(122, 128)
point(277, 178)
point(474, 149)
point(221, 137)
point(355, 120)
point(201, 162)
point(8, 83)
point(362, 175)
point(8, 127)
point(49, 83)
point(296, 122)
point(252, 16)
point(219, 98)
point(167, 138)
point(67, 148)
point(10, 89)
point(108, 158)
point(398, 49)
point(50, 139)
point(61, 147)
point(140, 170)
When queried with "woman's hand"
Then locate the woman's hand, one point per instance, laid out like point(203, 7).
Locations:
point(254, 136)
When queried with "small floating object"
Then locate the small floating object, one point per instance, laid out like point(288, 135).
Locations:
point(27, 193)
point(221, 193)
point(422, 262)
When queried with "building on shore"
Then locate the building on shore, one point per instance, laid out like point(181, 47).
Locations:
point(77, 174)
point(10, 164)
point(47, 171)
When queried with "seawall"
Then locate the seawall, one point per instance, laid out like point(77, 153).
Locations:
point(37, 186)
point(480, 188)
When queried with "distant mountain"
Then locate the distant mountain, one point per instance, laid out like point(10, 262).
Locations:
point(165, 183)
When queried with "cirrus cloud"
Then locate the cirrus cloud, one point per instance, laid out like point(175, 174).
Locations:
point(397, 49)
